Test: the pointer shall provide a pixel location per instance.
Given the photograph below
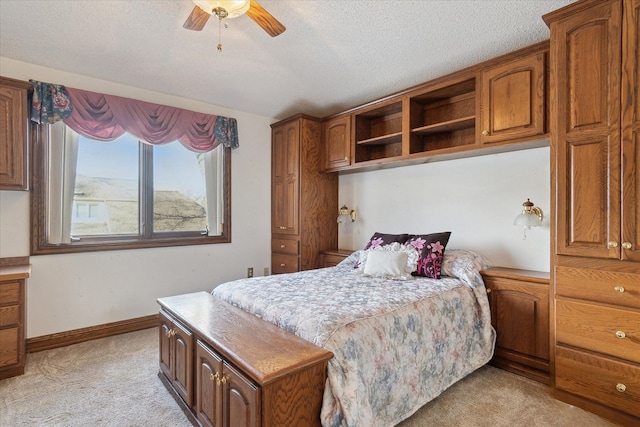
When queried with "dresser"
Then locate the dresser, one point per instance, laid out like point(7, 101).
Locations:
point(13, 278)
point(304, 200)
point(595, 152)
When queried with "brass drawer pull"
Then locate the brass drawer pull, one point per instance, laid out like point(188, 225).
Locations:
point(283, 265)
point(613, 244)
point(626, 245)
point(619, 289)
point(215, 376)
point(283, 246)
point(488, 290)
point(621, 387)
point(620, 334)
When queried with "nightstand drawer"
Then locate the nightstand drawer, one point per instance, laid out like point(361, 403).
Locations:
point(284, 246)
point(9, 293)
point(612, 331)
point(613, 383)
point(9, 315)
point(284, 263)
point(599, 286)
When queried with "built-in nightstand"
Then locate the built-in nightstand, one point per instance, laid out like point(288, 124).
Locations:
point(333, 257)
point(519, 302)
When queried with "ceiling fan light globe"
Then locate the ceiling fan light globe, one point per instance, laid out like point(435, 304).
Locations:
point(233, 8)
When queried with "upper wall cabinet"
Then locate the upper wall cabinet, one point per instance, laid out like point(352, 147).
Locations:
point(512, 104)
point(337, 135)
point(13, 134)
point(499, 105)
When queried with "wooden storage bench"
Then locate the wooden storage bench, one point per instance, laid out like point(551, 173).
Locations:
point(226, 367)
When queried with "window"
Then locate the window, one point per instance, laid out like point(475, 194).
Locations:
point(90, 195)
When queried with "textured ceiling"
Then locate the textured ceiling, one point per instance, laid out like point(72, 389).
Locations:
point(333, 56)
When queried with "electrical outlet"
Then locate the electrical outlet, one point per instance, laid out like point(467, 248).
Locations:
point(266, 271)
point(250, 272)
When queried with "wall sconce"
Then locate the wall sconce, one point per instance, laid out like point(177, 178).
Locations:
point(531, 216)
point(345, 216)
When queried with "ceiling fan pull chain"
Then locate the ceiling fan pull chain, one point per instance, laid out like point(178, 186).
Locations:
point(219, 33)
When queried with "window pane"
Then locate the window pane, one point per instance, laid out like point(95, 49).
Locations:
point(179, 196)
point(106, 196)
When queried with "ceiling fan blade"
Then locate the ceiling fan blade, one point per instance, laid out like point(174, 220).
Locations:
point(196, 20)
point(265, 20)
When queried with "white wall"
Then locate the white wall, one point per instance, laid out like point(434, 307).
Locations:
point(476, 199)
point(71, 291)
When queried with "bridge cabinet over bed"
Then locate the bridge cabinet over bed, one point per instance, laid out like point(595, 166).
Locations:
point(227, 367)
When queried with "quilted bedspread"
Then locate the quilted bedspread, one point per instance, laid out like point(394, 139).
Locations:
point(396, 344)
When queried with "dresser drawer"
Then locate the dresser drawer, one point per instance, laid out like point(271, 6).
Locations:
point(599, 285)
point(9, 315)
point(9, 347)
point(284, 263)
point(9, 293)
point(613, 383)
point(607, 330)
point(284, 246)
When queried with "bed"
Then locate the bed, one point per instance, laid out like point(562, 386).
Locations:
point(397, 344)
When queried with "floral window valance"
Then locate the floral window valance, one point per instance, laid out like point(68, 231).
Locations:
point(107, 117)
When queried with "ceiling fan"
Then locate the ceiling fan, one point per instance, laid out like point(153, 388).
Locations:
point(231, 9)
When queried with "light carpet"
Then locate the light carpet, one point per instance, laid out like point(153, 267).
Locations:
point(113, 382)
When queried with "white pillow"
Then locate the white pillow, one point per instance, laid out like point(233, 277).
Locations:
point(394, 261)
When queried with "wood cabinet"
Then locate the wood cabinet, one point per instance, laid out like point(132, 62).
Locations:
point(594, 158)
point(224, 396)
point(244, 371)
point(331, 258)
point(304, 200)
point(337, 142)
point(519, 302)
point(512, 102)
point(13, 134)
point(176, 349)
point(498, 105)
point(12, 319)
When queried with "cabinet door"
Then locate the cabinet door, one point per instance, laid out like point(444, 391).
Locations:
point(208, 386)
point(182, 374)
point(631, 131)
point(241, 400)
point(513, 100)
point(337, 142)
point(165, 345)
point(13, 134)
point(285, 178)
point(520, 315)
point(586, 55)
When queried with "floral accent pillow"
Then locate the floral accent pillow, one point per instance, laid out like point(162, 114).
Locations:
point(393, 261)
point(430, 248)
point(381, 239)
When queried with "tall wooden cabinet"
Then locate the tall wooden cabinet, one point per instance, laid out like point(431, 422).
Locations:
point(596, 257)
point(304, 200)
point(13, 134)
